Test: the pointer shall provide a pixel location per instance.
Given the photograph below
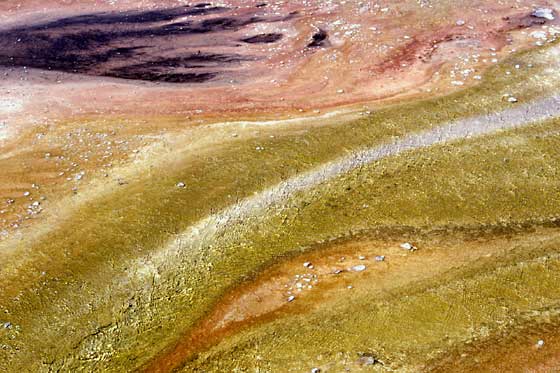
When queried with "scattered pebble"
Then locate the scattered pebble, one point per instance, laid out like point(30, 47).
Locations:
point(315, 370)
point(291, 298)
point(408, 246)
point(181, 185)
point(359, 268)
point(367, 360)
point(308, 265)
point(380, 258)
point(540, 343)
point(460, 22)
point(545, 13)
point(8, 325)
point(512, 99)
point(539, 35)
point(361, 257)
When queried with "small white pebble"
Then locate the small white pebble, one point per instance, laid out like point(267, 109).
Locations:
point(291, 298)
point(407, 246)
point(545, 13)
point(540, 343)
point(359, 268)
point(181, 185)
point(539, 35)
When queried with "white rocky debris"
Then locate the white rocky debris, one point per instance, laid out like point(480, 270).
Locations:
point(539, 35)
point(358, 268)
point(545, 13)
point(408, 246)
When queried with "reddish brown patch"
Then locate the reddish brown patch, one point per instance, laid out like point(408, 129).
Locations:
point(521, 21)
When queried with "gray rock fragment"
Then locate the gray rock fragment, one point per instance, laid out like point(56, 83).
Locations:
point(545, 13)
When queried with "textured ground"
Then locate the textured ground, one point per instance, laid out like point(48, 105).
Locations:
point(237, 186)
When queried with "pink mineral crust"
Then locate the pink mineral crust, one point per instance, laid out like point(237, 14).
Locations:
point(243, 58)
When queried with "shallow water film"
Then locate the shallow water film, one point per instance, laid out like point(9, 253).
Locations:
point(279, 186)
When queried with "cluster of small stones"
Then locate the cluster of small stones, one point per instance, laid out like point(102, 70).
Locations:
point(84, 151)
point(465, 67)
point(310, 278)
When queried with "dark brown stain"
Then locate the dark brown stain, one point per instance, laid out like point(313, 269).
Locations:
point(161, 45)
point(263, 38)
point(319, 39)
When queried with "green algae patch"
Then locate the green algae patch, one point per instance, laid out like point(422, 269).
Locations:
point(103, 304)
point(509, 177)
